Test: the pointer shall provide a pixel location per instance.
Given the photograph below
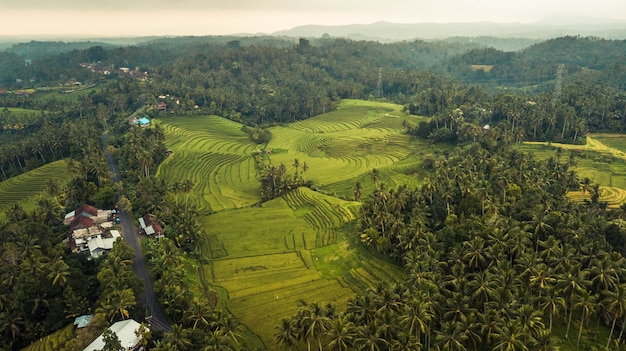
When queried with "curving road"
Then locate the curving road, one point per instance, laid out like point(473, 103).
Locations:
point(156, 317)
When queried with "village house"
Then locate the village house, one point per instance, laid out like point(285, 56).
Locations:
point(161, 106)
point(126, 332)
point(150, 227)
point(91, 230)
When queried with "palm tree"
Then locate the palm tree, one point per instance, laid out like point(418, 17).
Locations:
point(573, 283)
point(118, 302)
point(218, 341)
point(286, 333)
point(616, 303)
point(604, 274)
point(530, 321)
point(586, 303)
point(451, 337)
point(415, 318)
point(368, 339)
point(231, 328)
point(341, 334)
point(510, 338)
point(179, 337)
point(540, 278)
point(186, 188)
point(315, 323)
point(198, 312)
point(358, 191)
point(59, 272)
point(553, 303)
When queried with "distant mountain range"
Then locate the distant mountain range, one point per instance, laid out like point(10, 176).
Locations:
point(541, 30)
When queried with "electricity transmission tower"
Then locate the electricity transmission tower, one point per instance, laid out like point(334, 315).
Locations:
point(558, 85)
point(379, 85)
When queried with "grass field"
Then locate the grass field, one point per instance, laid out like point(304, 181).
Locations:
point(268, 257)
point(20, 112)
point(26, 188)
point(602, 159)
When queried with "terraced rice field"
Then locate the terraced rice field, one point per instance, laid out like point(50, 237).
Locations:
point(345, 143)
point(602, 159)
point(263, 255)
point(53, 342)
point(264, 289)
point(217, 156)
point(26, 188)
point(614, 197)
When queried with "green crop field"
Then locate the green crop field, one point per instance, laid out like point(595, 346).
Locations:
point(346, 144)
point(602, 159)
point(53, 342)
point(26, 188)
point(20, 112)
point(270, 256)
point(216, 155)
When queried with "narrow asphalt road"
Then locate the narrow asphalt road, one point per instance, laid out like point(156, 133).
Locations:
point(155, 314)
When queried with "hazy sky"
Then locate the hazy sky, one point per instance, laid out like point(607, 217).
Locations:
point(214, 17)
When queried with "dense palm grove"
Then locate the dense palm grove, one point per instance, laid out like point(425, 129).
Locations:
point(495, 255)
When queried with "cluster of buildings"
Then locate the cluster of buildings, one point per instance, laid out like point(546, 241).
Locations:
point(122, 72)
point(93, 231)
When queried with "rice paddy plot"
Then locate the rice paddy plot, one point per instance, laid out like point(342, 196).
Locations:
point(263, 310)
point(53, 342)
point(26, 188)
point(216, 155)
point(259, 230)
point(325, 214)
point(602, 160)
point(355, 267)
point(614, 197)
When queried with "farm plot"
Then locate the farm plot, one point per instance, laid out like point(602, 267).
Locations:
point(602, 164)
point(263, 289)
point(25, 188)
point(325, 214)
point(271, 256)
point(217, 156)
point(269, 229)
point(53, 342)
point(613, 196)
point(345, 143)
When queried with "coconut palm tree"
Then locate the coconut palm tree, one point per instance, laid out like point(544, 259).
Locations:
point(616, 304)
point(286, 333)
point(341, 335)
point(510, 338)
point(179, 337)
point(118, 303)
point(572, 284)
point(59, 272)
point(451, 337)
point(198, 312)
point(368, 339)
point(586, 303)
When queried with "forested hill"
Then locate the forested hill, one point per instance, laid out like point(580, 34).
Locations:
point(269, 80)
point(605, 59)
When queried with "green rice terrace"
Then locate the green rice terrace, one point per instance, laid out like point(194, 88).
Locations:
point(26, 188)
point(602, 159)
point(268, 257)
